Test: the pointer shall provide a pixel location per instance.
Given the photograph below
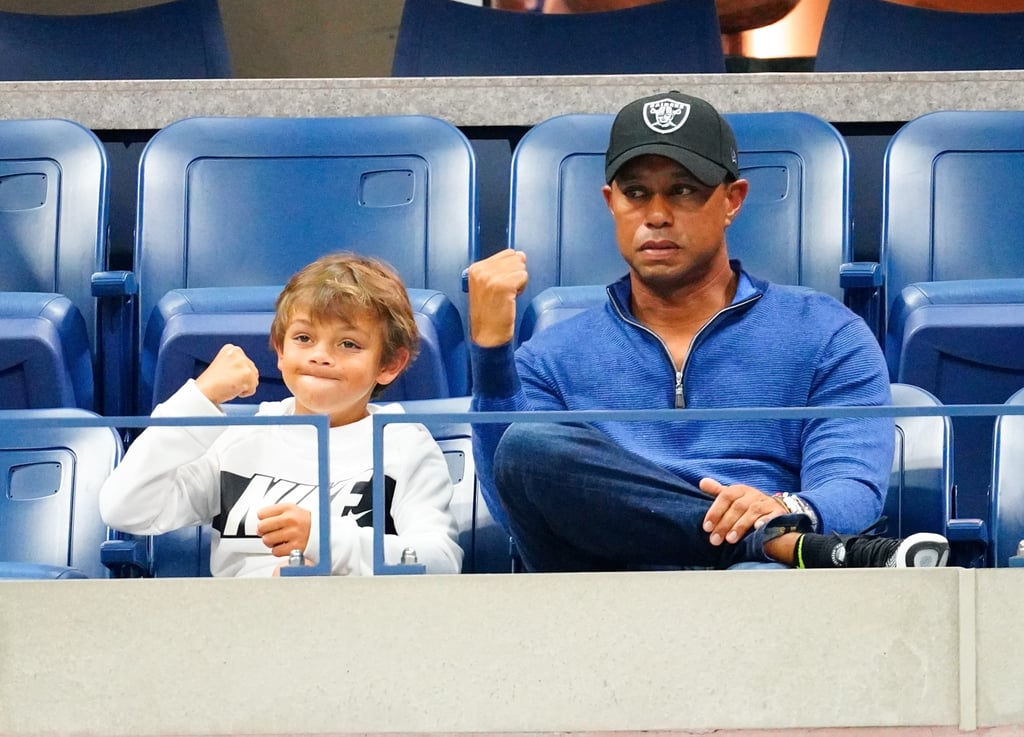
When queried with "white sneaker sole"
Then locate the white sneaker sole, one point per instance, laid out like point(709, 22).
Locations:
point(923, 550)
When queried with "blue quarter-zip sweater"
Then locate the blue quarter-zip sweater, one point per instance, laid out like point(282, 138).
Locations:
point(774, 346)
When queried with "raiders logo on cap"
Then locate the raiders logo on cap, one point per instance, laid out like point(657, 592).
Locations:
point(666, 115)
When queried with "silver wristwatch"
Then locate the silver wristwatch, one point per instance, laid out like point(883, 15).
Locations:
point(796, 505)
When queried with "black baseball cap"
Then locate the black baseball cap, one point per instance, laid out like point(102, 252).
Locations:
point(686, 129)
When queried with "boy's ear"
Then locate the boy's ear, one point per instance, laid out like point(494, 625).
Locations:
point(390, 371)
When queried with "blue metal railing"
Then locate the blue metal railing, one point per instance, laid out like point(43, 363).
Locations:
point(319, 422)
point(435, 418)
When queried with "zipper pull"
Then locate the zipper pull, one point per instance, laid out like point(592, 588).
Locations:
point(680, 401)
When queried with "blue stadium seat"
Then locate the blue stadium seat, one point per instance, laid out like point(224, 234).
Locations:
point(554, 304)
point(484, 543)
point(921, 494)
point(181, 39)
point(794, 227)
point(50, 476)
point(1007, 511)
point(53, 221)
point(954, 273)
point(883, 36)
point(439, 38)
point(921, 483)
point(246, 202)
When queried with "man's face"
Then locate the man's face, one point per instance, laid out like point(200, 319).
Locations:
point(670, 226)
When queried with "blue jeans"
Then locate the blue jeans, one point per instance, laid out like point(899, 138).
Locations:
point(577, 501)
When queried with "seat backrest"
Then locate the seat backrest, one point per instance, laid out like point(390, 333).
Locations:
point(188, 327)
point(181, 39)
point(53, 221)
point(921, 483)
point(794, 227)
point(50, 476)
point(963, 340)
point(440, 38)
point(933, 227)
point(1007, 513)
point(233, 202)
point(955, 316)
point(884, 36)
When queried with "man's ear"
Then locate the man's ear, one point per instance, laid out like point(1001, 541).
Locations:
point(390, 370)
point(735, 193)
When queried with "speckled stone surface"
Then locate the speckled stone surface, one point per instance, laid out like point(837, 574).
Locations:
point(514, 101)
point(673, 651)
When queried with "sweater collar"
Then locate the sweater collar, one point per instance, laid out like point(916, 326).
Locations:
point(747, 287)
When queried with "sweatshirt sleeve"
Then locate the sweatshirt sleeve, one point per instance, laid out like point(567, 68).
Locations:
point(505, 380)
point(420, 509)
point(847, 460)
point(496, 388)
point(167, 479)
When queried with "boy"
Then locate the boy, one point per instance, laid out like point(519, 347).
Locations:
point(343, 330)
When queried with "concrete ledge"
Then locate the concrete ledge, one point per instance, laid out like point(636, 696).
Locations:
point(508, 101)
point(672, 652)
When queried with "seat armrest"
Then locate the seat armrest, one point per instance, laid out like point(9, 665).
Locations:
point(860, 275)
point(127, 558)
point(115, 294)
point(968, 542)
point(114, 284)
point(861, 282)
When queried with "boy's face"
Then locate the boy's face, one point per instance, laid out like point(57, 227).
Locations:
point(332, 366)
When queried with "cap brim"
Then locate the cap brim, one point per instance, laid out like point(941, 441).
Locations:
point(705, 170)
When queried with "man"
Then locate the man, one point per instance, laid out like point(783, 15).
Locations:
point(685, 328)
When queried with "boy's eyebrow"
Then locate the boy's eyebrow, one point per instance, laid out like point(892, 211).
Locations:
point(342, 324)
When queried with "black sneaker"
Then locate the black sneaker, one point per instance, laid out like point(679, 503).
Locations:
point(920, 550)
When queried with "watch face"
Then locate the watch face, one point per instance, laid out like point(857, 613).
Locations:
point(793, 504)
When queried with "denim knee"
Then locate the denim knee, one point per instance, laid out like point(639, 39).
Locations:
point(517, 443)
point(530, 444)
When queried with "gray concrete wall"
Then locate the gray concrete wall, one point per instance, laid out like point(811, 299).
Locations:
point(675, 652)
point(533, 653)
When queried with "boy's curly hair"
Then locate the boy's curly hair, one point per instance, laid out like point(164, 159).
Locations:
point(336, 285)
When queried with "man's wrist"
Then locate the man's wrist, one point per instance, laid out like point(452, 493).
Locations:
point(794, 504)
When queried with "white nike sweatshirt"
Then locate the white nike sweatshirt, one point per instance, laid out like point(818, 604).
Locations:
point(174, 477)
